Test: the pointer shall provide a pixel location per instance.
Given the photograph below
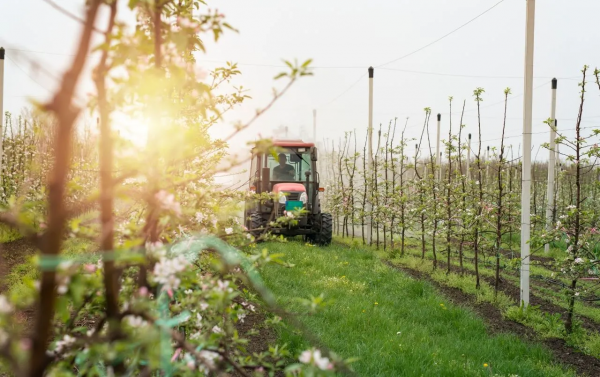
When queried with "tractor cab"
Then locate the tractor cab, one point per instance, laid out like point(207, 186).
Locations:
point(289, 170)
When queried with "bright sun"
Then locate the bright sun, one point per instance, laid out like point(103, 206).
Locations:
point(131, 128)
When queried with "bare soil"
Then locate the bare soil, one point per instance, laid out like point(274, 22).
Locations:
point(584, 365)
point(512, 291)
point(12, 254)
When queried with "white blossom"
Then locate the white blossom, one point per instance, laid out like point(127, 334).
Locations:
point(5, 306)
point(224, 286)
point(167, 202)
point(191, 364)
point(165, 271)
point(200, 217)
point(241, 317)
point(135, 321)
point(217, 330)
point(228, 230)
point(314, 357)
point(195, 335)
point(63, 284)
point(156, 249)
point(67, 340)
point(208, 358)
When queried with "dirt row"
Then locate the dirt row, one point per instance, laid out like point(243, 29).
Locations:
point(584, 365)
point(512, 291)
point(534, 282)
point(12, 254)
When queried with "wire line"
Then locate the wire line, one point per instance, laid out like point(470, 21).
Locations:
point(344, 92)
point(442, 37)
point(27, 74)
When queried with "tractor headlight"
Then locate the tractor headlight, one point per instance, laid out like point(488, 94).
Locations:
point(282, 199)
point(303, 198)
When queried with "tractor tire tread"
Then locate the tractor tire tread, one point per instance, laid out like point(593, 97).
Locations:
point(325, 231)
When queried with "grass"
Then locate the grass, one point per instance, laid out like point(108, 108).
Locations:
point(394, 324)
point(8, 234)
point(486, 269)
point(544, 324)
point(465, 283)
point(28, 271)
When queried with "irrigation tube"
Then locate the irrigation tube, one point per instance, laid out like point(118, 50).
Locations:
point(469, 160)
point(2, 51)
point(370, 136)
point(438, 164)
point(551, 163)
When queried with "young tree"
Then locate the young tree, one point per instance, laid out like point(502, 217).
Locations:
point(479, 187)
point(500, 194)
point(576, 225)
point(420, 183)
point(124, 314)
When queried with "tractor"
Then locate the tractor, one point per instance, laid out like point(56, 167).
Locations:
point(289, 171)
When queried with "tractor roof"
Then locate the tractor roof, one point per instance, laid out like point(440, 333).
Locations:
point(292, 144)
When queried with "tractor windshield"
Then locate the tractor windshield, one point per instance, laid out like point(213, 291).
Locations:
point(289, 166)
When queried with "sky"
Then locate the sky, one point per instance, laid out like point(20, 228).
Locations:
point(344, 38)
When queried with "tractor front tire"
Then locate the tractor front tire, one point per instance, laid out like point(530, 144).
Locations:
point(324, 230)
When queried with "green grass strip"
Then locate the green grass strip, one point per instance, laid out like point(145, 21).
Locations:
point(544, 324)
point(395, 325)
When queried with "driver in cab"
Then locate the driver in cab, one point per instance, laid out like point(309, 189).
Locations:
point(283, 171)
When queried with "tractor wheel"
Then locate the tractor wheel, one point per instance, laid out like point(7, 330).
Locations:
point(255, 225)
point(324, 230)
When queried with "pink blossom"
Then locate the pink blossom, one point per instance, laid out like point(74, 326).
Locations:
point(91, 268)
point(201, 72)
point(176, 354)
point(25, 344)
point(167, 202)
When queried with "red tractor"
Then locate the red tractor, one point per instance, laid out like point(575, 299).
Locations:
point(291, 174)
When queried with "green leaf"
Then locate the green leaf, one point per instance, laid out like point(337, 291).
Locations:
point(81, 358)
point(175, 321)
point(62, 308)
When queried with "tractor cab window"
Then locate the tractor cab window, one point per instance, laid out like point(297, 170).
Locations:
point(289, 165)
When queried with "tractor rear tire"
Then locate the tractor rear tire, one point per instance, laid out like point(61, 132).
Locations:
point(255, 225)
point(324, 230)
